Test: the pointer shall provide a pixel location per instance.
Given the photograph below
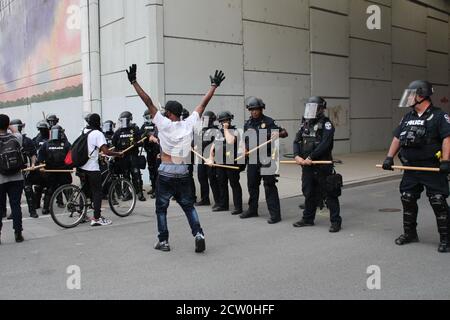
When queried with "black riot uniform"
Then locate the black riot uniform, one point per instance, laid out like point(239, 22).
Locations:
point(421, 138)
point(129, 135)
point(153, 151)
point(226, 153)
point(108, 131)
point(53, 120)
point(257, 127)
point(53, 153)
point(30, 152)
point(207, 176)
point(38, 178)
point(314, 141)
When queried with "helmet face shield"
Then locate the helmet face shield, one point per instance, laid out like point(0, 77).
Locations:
point(124, 122)
point(409, 98)
point(108, 127)
point(148, 118)
point(311, 111)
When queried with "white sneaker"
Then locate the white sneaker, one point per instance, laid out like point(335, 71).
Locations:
point(100, 222)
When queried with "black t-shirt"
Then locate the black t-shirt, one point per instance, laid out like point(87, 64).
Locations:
point(421, 137)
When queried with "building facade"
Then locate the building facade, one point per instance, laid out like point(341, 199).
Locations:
point(358, 54)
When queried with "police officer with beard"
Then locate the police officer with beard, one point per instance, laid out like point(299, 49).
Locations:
point(226, 150)
point(260, 122)
point(38, 178)
point(53, 153)
point(423, 135)
point(314, 142)
point(123, 138)
point(207, 176)
point(29, 150)
point(153, 150)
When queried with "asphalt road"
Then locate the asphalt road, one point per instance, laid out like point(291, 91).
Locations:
point(244, 259)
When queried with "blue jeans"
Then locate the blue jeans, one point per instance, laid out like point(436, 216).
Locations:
point(180, 188)
point(14, 191)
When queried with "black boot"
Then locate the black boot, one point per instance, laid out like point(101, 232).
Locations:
point(19, 237)
point(34, 215)
point(141, 197)
point(444, 246)
point(203, 203)
point(407, 238)
point(249, 214)
point(410, 211)
point(335, 227)
point(303, 223)
point(236, 211)
point(274, 220)
point(441, 210)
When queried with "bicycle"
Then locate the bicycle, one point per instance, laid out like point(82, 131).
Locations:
point(73, 209)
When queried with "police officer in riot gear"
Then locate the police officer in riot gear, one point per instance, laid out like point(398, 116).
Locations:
point(153, 150)
point(52, 120)
point(258, 125)
point(108, 130)
point(30, 152)
point(39, 179)
point(314, 142)
point(123, 138)
point(226, 151)
point(53, 153)
point(207, 176)
point(423, 134)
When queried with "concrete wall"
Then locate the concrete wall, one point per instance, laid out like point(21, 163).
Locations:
point(283, 51)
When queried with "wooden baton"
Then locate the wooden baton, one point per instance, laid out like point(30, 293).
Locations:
point(425, 169)
point(214, 164)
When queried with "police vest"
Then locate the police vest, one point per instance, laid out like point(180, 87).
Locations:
point(126, 139)
point(311, 135)
point(56, 153)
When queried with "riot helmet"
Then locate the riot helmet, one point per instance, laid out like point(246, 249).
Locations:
point(254, 103)
point(108, 126)
point(52, 120)
point(416, 89)
point(125, 119)
point(208, 119)
point(314, 107)
point(56, 133)
point(225, 116)
point(18, 124)
point(43, 128)
point(147, 116)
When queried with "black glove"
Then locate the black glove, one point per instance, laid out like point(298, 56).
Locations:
point(217, 79)
point(388, 163)
point(132, 74)
point(445, 167)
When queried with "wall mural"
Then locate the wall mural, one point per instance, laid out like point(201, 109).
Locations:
point(40, 51)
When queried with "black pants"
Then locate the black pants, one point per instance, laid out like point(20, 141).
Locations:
point(207, 177)
point(14, 192)
point(314, 189)
point(414, 182)
point(233, 176)
point(272, 199)
point(92, 188)
point(53, 182)
point(129, 167)
point(29, 195)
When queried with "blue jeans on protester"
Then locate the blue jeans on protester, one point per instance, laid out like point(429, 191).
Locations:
point(14, 191)
point(180, 188)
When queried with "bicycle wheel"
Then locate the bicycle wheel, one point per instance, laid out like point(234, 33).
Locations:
point(122, 197)
point(68, 206)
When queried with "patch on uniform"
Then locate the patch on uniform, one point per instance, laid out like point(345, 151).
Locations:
point(447, 118)
point(263, 126)
point(328, 126)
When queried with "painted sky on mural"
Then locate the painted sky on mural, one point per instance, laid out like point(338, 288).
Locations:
point(40, 48)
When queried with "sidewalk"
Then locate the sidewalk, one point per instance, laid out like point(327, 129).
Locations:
point(357, 169)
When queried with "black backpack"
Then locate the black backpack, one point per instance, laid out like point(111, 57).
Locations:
point(12, 159)
point(78, 156)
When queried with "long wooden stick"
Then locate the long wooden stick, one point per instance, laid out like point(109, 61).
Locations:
point(215, 164)
point(133, 146)
point(33, 168)
point(412, 168)
point(254, 149)
point(314, 162)
point(58, 171)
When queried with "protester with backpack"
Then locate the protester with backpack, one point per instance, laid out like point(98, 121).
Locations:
point(85, 156)
point(11, 178)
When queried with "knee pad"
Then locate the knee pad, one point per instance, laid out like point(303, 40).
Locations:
point(409, 202)
point(439, 204)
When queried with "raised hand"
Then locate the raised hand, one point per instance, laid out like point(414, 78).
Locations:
point(217, 79)
point(132, 73)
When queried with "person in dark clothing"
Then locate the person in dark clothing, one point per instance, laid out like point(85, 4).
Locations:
point(422, 135)
point(261, 126)
point(153, 150)
point(37, 177)
point(226, 150)
point(314, 142)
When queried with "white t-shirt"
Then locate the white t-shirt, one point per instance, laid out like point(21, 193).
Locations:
point(176, 137)
point(96, 140)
